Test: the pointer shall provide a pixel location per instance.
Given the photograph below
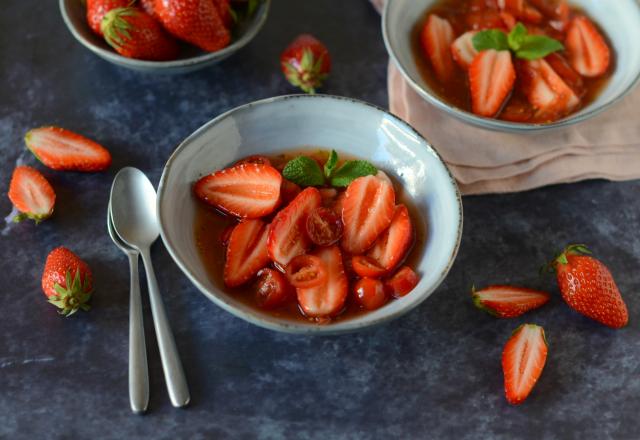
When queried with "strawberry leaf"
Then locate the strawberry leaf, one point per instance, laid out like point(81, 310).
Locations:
point(303, 171)
point(330, 164)
point(350, 171)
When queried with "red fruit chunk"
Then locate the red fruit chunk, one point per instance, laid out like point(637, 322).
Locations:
point(367, 267)
point(437, 36)
point(370, 293)
point(523, 359)
point(246, 252)
point(287, 234)
point(288, 191)
point(589, 54)
point(31, 194)
point(224, 10)
point(463, 51)
point(272, 289)
point(328, 299)
point(67, 281)
point(248, 190)
point(306, 63)
point(324, 226)
point(491, 78)
point(403, 282)
point(509, 301)
point(481, 20)
point(547, 92)
point(367, 210)
point(305, 271)
point(562, 67)
point(393, 245)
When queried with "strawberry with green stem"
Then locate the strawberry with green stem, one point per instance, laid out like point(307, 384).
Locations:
point(67, 281)
point(306, 63)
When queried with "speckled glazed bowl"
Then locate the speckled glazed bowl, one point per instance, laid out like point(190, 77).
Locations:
point(620, 19)
point(73, 13)
point(292, 122)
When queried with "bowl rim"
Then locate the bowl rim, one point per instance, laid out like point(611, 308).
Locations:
point(114, 57)
point(491, 123)
point(295, 327)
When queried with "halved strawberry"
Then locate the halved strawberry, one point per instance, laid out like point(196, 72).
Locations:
point(326, 300)
point(557, 10)
point(393, 245)
point(287, 234)
point(508, 301)
point(562, 67)
point(522, 10)
point(589, 54)
point(523, 359)
point(246, 252)
point(437, 36)
point(546, 91)
point(463, 51)
point(31, 194)
point(248, 190)
point(491, 78)
point(64, 150)
point(487, 19)
point(367, 210)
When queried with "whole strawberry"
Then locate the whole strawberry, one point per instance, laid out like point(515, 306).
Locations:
point(67, 281)
point(135, 34)
point(149, 7)
point(195, 21)
point(306, 63)
point(96, 10)
point(588, 287)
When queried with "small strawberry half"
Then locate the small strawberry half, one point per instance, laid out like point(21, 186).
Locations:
point(31, 194)
point(328, 299)
point(247, 190)
point(306, 63)
point(589, 53)
point(64, 150)
point(588, 287)
point(135, 34)
point(436, 38)
point(463, 51)
point(367, 210)
point(246, 252)
point(67, 281)
point(393, 245)
point(491, 78)
point(287, 234)
point(97, 9)
point(523, 360)
point(508, 301)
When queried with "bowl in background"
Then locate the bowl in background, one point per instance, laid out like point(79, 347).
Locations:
point(620, 20)
point(290, 123)
point(191, 58)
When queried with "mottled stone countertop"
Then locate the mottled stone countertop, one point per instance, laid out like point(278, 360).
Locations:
point(434, 373)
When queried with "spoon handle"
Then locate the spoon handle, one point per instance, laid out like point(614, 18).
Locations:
point(138, 369)
point(171, 365)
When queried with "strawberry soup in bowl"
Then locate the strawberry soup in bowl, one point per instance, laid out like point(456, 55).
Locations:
point(310, 214)
point(516, 65)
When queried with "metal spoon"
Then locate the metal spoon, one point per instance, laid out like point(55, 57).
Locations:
point(138, 368)
point(133, 211)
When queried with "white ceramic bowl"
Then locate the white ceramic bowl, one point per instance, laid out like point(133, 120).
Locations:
point(620, 19)
point(74, 16)
point(290, 122)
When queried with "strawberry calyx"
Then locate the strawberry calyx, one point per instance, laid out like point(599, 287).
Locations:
point(73, 297)
point(307, 73)
point(115, 28)
point(477, 301)
point(561, 258)
point(27, 216)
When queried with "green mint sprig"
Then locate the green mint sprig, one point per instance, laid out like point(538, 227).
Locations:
point(519, 41)
point(305, 171)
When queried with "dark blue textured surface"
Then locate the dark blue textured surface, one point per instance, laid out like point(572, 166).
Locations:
point(435, 373)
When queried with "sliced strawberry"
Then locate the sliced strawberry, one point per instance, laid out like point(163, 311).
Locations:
point(491, 78)
point(547, 92)
point(487, 19)
point(326, 300)
point(246, 252)
point(481, 5)
point(394, 244)
point(31, 194)
point(521, 10)
point(248, 190)
point(463, 51)
point(64, 150)
point(367, 210)
point(508, 19)
point(562, 67)
point(523, 359)
point(589, 54)
point(287, 234)
point(437, 36)
point(402, 282)
point(509, 301)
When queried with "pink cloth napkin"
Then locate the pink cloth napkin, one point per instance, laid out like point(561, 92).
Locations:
point(483, 161)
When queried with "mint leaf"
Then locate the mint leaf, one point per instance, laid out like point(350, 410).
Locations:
point(253, 5)
point(538, 46)
point(303, 171)
point(490, 39)
point(350, 171)
point(330, 164)
point(516, 36)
